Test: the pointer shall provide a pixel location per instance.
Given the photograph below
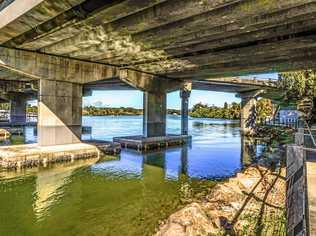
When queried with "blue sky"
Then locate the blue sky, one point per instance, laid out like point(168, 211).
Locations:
point(135, 98)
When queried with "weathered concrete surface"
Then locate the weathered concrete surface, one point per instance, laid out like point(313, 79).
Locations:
point(130, 80)
point(248, 111)
point(185, 93)
point(29, 155)
point(20, 16)
point(33, 155)
point(142, 143)
point(106, 147)
point(9, 86)
point(59, 113)
point(174, 38)
point(25, 64)
point(155, 112)
point(18, 109)
point(311, 186)
point(296, 202)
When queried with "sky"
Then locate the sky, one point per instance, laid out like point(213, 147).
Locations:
point(130, 98)
point(135, 98)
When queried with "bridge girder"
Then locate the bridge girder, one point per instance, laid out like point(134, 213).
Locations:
point(184, 39)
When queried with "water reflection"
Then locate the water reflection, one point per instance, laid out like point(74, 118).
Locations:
point(50, 183)
point(123, 196)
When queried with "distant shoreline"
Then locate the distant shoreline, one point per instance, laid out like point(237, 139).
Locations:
point(121, 111)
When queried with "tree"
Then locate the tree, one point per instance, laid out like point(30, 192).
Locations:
point(298, 86)
point(264, 108)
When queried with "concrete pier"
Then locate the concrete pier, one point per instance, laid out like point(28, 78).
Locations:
point(248, 111)
point(185, 95)
point(18, 109)
point(59, 113)
point(155, 111)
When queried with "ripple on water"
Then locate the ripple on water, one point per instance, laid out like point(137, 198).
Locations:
point(125, 196)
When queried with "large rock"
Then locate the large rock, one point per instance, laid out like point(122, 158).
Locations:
point(191, 220)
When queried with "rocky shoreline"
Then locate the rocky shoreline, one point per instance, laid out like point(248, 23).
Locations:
point(252, 203)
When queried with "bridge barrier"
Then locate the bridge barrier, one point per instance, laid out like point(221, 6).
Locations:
point(296, 191)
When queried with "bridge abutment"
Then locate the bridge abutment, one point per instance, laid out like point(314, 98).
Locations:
point(59, 113)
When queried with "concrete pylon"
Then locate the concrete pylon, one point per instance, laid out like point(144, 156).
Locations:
point(18, 109)
point(248, 112)
point(185, 93)
point(155, 111)
point(59, 113)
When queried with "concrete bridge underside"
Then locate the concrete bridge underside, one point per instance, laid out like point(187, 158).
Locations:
point(156, 46)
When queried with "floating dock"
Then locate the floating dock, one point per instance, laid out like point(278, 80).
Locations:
point(106, 147)
point(142, 143)
point(29, 155)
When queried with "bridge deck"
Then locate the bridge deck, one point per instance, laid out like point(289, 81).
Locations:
point(174, 39)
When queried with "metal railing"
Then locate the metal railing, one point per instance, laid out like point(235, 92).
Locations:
point(291, 122)
point(310, 133)
point(30, 117)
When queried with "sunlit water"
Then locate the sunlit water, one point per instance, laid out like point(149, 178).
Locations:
point(126, 195)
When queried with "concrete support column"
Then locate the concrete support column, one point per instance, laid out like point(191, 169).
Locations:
point(185, 95)
point(155, 111)
point(248, 111)
point(59, 113)
point(18, 109)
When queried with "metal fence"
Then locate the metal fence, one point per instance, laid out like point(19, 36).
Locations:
point(5, 117)
point(293, 123)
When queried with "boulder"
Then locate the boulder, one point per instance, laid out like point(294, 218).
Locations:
point(191, 220)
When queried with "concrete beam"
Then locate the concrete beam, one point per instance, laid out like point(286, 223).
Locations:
point(243, 81)
point(70, 24)
point(169, 45)
point(21, 16)
point(236, 22)
point(255, 52)
point(42, 66)
point(293, 60)
point(142, 20)
point(152, 45)
point(59, 113)
point(148, 82)
point(18, 86)
point(230, 35)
